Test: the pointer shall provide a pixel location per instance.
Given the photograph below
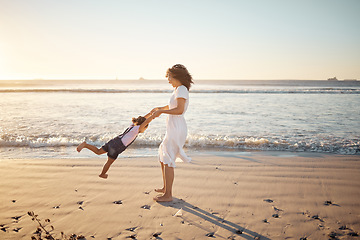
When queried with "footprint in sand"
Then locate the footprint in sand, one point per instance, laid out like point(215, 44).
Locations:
point(16, 218)
point(16, 229)
point(132, 229)
point(132, 236)
point(157, 234)
point(330, 203)
point(146, 207)
point(277, 209)
point(211, 234)
point(3, 227)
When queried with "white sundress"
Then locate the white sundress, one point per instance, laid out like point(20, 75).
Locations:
point(171, 148)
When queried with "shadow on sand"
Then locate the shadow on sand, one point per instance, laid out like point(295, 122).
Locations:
point(234, 229)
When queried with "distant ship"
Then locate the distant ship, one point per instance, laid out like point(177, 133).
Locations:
point(333, 79)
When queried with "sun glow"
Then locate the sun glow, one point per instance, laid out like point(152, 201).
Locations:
point(128, 40)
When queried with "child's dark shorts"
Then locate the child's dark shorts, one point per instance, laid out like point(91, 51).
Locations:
point(114, 147)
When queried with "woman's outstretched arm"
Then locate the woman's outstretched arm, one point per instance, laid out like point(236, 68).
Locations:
point(159, 108)
point(178, 110)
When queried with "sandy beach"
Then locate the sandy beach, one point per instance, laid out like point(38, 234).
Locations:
point(250, 195)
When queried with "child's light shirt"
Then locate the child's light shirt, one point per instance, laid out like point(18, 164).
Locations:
point(131, 135)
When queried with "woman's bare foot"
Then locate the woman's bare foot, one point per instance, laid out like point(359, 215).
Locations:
point(81, 146)
point(163, 198)
point(160, 190)
point(103, 176)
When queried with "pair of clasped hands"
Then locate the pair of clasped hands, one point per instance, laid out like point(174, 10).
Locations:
point(156, 112)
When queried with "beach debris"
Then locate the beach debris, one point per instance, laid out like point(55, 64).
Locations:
point(14, 201)
point(57, 207)
point(146, 207)
point(211, 234)
point(268, 200)
point(45, 231)
point(132, 229)
point(239, 232)
point(275, 215)
point(161, 225)
point(147, 192)
point(257, 238)
point(157, 234)
point(179, 213)
point(80, 207)
point(117, 202)
point(303, 238)
point(265, 220)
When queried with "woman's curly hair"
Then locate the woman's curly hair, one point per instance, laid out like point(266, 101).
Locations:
point(179, 72)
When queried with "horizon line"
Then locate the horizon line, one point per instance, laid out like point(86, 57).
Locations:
point(145, 79)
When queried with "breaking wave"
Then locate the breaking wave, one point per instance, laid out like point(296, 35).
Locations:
point(330, 145)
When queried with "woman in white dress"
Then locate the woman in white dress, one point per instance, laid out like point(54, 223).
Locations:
point(172, 145)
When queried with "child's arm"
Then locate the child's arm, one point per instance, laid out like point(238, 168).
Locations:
point(146, 122)
point(147, 115)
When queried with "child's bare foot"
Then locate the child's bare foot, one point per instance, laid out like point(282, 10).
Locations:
point(81, 146)
point(103, 176)
point(160, 190)
point(163, 198)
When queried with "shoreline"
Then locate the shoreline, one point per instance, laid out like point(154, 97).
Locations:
point(151, 152)
point(233, 196)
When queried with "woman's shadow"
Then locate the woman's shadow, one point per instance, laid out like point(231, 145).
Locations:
point(233, 228)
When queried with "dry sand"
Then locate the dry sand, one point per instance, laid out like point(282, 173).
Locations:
point(235, 196)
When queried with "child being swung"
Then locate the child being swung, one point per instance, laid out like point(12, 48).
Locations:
point(118, 144)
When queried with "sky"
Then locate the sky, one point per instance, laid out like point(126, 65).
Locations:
point(214, 39)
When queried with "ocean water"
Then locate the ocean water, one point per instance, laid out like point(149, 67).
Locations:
point(48, 119)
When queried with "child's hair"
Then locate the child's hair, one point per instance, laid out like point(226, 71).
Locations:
point(139, 120)
point(180, 73)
